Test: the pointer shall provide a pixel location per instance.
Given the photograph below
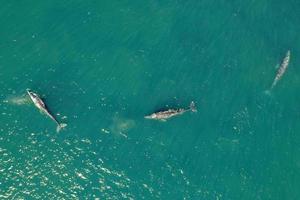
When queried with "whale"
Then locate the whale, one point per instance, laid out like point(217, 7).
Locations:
point(284, 65)
point(164, 115)
point(39, 103)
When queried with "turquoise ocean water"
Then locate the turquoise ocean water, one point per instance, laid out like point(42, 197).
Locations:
point(101, 66)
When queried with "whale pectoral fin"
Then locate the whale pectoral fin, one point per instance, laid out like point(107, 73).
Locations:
point(163, 120)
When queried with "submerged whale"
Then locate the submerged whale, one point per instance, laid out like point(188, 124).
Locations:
point(39, 103)
point(164, 115)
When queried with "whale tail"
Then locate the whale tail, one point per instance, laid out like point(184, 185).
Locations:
point(268, 92)
point(60, 126)
point(193, 107)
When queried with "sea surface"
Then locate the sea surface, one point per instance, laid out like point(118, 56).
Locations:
point(101, 66)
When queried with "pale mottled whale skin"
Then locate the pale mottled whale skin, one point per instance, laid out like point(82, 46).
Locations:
point(39, 103)
point(284, 65)
point(164, 115)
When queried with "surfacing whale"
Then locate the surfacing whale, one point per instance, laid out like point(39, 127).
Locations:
point(284, 65)
point(164, 115)
point(39, 103)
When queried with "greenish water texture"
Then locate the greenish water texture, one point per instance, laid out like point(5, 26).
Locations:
point(101, 66)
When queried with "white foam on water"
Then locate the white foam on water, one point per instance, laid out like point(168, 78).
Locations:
point(121, 125)
point(17, 100)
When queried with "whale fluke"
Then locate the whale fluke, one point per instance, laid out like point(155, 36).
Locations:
point(60, 126)
point(267, 92)
point(193, 107)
